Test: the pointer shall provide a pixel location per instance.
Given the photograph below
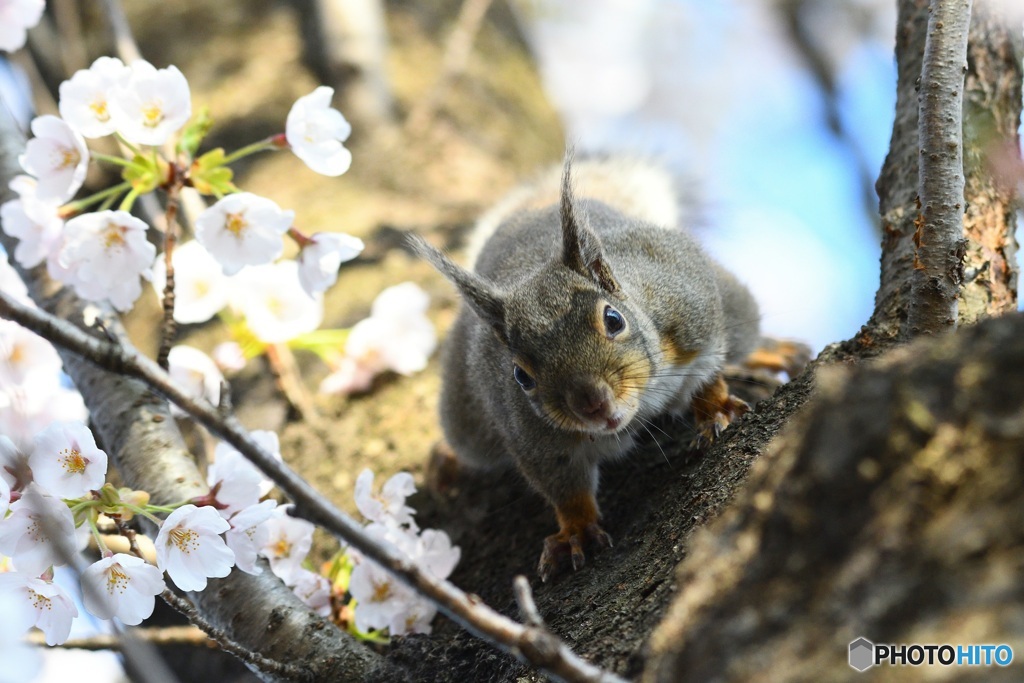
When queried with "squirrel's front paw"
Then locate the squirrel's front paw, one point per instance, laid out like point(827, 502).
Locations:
point(567, 546)
point(714, 409)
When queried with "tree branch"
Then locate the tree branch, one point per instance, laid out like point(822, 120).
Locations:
point(887, 509)
point(940, 227)
point(164, 635)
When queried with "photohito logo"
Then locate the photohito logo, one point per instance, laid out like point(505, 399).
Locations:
point(864, 654)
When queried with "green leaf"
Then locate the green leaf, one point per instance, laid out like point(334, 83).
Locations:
point(194, 133)
point(209, 175)
point(145, 173)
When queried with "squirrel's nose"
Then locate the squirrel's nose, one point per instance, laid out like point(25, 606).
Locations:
point(591, 400)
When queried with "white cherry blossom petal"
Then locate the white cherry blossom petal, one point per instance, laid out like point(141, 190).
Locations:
point(274, 305)
point(315, 131)
point(243, 229)
point(85, 97)
point(151, 104)
point(196, 373)
point(66, 461)
point(122, 586)
point(38, 533)
point(39, 603)
point(288, 542)
point(104, 255)
point(319, 261)
point(34, 221)
point(190, 549)
point(248, 535)
point(200, 287)
point(16, 18)
point(57, 157)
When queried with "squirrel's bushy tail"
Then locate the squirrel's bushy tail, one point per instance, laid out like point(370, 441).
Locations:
point(636, 186)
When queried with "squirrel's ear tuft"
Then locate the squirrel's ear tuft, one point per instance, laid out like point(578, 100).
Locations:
point(478, 293)
point(581, 247)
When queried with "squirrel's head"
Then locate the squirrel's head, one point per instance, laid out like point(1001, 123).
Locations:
point(579, 351)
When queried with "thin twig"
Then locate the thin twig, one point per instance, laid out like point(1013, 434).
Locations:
point(541, 650)
point(124, 41)
point(169, 328)
point(456, 56)
point(286, 372)
point(524, 598)
point(163, 635)
point(939, 239)
point(292, 672)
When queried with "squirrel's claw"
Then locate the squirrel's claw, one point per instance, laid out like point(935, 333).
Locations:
point(567, 545)
point(714, 409)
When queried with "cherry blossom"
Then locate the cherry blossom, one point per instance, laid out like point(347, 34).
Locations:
point(319, 260)
point(150, 104)
point(248, 534)
point(5, 497)
point(85, 97)
point(380, 597)
point(288, 542)
point(274, 305)
point(16, 18)
point(397, 336)
point(38, 533)
point(10, 282)
point(388, 506)
point(34, 221)
point(200, 286)
point(27, 409)
point(229, 356)
point(57, 157)
point(233, 480)
point(38, 603)
point(66, 461)
point(196, 372)
point(189, 547)
point(435, 553)
point(314, 590)
point(315, 132)
point(243, 229)
point(14, 469)
point(227, 461)
point(105, 254)
point(25, 357)
point(122, 586)
point(21, 662)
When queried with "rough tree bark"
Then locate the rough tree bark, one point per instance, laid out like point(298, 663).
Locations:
point(938, 267)
point(992, 113)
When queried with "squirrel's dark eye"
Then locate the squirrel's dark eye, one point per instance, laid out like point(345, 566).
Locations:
point(524, 379)
point(613, 321)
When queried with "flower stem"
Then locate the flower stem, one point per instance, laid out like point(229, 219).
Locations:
point(116, 161)
point(262, 145)
point(72, 208)
point(100, 545)
point(133, 148)
point(145, 513)
point(129, 200)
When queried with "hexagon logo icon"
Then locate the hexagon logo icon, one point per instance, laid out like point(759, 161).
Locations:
point(862, 654)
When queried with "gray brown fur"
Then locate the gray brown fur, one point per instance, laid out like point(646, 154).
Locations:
point(538, 283)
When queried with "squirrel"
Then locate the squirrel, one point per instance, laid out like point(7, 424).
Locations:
point(580, 320)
